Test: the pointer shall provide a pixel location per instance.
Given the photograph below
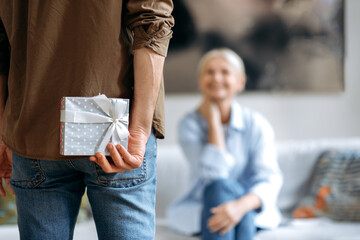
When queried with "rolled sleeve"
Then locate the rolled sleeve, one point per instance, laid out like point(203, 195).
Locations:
point(267, 192)
point(4, 51)
point(150, 23)
point(266, 180)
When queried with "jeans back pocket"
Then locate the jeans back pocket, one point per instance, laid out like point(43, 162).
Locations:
point(136, 176)
point(122, 180)
point(26, 172)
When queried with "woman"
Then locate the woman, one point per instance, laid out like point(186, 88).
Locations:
point(235, 178)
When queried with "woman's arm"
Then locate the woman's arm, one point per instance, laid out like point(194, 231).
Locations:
point(264, 175)
point(207, 160)
point(212, 116)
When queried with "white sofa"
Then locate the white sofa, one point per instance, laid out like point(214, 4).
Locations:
point(296, 159)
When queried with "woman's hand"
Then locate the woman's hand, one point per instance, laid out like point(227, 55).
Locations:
point(226, 216)
point(122, 159)
point(210, 112)
point(229, 214)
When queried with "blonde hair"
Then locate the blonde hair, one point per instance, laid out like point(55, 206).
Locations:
point(229, 55)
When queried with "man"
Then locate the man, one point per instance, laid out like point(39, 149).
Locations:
point(56, 48)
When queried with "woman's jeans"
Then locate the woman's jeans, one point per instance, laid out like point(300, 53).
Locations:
point(216, 193)
point(48, 196)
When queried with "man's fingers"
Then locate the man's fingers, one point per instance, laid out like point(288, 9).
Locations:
point(103, 162)
point(106, 166)
point(117, 158)
point(114, 154)
point(128, 158)
point(121, 159)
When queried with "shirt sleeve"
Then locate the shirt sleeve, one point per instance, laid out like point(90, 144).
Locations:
point(4, 51)
point(206, 160)
point(150, 23)
point(265, 178)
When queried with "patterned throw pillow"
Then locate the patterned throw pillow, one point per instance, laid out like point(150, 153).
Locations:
point(335, 188)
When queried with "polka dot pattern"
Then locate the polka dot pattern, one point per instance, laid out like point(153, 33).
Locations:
point(83, 139)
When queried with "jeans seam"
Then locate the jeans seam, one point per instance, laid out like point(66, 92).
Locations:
point(42, 173)
point(69, 162)
point(97, 174)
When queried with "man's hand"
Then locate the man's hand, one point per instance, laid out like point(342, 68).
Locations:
point(5, 168)
point(225, 217)
point(148, 68)
point(122, 159)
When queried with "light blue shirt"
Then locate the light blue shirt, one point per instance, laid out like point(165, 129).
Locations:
point(250, 159)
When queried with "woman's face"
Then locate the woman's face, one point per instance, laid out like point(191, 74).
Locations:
point(219, 80)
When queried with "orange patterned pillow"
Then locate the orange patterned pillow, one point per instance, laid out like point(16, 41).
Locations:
point(335, 188)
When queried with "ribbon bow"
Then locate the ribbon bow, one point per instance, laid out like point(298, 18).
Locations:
point(115, 113)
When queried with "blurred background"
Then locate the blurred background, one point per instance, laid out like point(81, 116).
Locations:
point(286, 45)
point(301, 56)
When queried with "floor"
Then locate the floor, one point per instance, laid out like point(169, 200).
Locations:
point(87, 231)
point(315, 229)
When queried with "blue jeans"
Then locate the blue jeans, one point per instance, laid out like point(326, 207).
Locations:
point(48, 196)
point(221, 191)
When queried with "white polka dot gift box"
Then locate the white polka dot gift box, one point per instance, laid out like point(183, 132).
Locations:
point(88, 124)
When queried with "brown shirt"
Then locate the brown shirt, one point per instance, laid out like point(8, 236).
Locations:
point(56, 48)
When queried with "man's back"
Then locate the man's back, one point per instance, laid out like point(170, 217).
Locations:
point(62, 48)
point(79, 48)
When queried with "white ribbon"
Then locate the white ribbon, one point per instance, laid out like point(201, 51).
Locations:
point(115, 113)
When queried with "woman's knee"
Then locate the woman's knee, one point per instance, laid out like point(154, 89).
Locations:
point(224, 186)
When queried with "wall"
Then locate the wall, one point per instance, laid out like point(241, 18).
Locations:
point(298, 116)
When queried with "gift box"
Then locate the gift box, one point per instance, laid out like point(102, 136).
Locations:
point(88, 124)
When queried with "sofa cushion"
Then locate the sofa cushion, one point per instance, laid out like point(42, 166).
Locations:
point(172, 177)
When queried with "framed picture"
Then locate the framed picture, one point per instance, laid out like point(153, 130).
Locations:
point(286, 45)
